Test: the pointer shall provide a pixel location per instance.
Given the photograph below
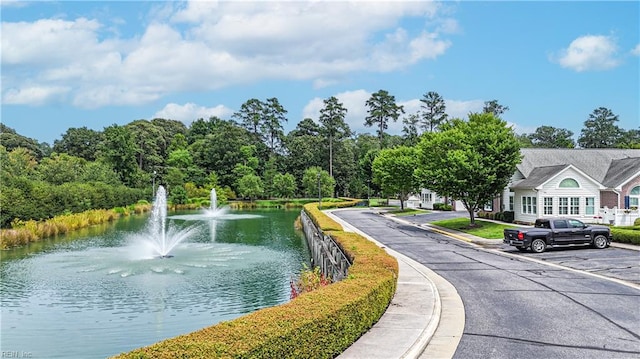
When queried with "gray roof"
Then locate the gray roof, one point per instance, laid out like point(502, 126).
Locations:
point(596, 163)
point(620, 171)
point(538, 176)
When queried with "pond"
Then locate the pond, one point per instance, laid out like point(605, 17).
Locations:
point(92, 294)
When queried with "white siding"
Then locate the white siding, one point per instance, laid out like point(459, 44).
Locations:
point(522, 217)
point(587, 189)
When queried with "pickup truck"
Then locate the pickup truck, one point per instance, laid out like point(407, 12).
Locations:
point(552, 232)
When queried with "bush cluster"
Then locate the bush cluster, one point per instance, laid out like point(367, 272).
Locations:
point(442, 207)
point(506, 216)
point(26, 199)
point(318, 324)
point(626, 234)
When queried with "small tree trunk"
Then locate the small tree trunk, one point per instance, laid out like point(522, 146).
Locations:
point(472, 217)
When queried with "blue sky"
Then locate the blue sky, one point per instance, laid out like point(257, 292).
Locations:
point(91, 63)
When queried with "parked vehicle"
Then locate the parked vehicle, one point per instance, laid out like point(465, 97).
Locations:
point(552, 232)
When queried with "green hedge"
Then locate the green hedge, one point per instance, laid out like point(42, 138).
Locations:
point(442, 207)
point(318, 324)
point(626, 234)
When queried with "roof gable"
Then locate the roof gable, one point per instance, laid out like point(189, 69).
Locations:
point(621, 171)
point(539, 176)
point(595, 163)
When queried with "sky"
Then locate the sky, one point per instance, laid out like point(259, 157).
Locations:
point(71, 64)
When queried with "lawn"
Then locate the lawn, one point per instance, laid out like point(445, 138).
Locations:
point(408, 212)
point(484, 229)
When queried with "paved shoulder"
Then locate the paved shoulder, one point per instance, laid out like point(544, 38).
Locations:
point(425, 318)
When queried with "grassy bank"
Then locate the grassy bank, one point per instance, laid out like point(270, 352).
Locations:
point(483, 229)
point(24, 232)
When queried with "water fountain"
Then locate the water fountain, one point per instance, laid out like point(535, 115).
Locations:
point(160, 239)
point(213, 210)
point(214, 200)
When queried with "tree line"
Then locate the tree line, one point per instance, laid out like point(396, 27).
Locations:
point(250, 155)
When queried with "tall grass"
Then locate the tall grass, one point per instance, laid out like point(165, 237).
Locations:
point(25, 232)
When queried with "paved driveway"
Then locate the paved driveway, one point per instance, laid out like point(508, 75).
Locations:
point(612, 262)
point(516, 308)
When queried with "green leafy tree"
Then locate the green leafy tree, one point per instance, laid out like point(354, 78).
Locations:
point(200, 128)
point(11, 140)
point(393, 171)
point(315, 177)
point(119, 150)
point(304, 145)
point(60, 168)
point(178, 195)
point(366, 147)
point(432, 111)
point(552, 137)
point(410, 129)
point(284, 185)
point(272, 127)
point(524, 140)
point(382, 109)
point(98, 171)
point(221, 150)
point(600, 130)
point(80, 142)
point(180, 167)
point(333, 126)
point(251, 117)
point(179, 142)
point(469, 161)
point(250, 186)
point(494, 108)
point(630, 139)
point(149, 144)
point(17, 162)
point(345, 167)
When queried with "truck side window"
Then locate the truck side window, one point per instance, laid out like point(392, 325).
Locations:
point(543, 225)
point(560, 224)
point(576, 224)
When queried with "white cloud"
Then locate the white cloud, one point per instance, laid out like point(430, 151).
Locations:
point(190, 111)
point(353, 101)
point(636, 50)
point(202, 45)
point(461, 109)
point(34, 95)
point(589, 52)
point(14, 3)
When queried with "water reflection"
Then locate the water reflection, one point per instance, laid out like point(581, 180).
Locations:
point(87, 297)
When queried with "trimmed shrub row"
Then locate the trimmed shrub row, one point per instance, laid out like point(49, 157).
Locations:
point(442, 207)
point(318, 324)
point(626, 234)
point(506, 216)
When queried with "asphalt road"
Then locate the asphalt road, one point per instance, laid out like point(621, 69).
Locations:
point(517, 308)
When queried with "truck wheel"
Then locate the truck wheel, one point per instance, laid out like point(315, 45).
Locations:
point(600, 241)
point(538, 246)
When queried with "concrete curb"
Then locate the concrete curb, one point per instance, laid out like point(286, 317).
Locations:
point(412, 323)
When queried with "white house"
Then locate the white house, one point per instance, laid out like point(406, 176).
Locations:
point(594, 185)
point(428, 198)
